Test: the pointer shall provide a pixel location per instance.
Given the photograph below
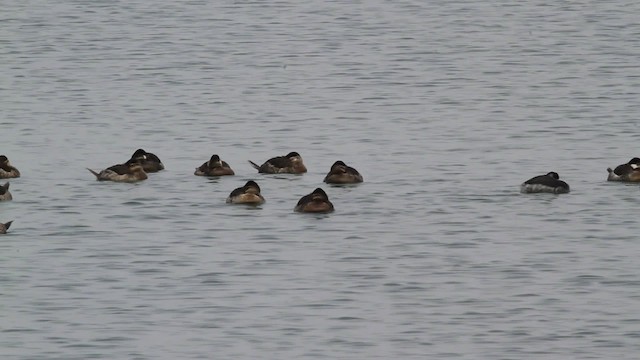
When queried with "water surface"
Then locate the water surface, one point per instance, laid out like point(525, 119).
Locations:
point(444, 107)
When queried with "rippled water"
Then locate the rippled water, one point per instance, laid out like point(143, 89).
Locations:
point(445, 107)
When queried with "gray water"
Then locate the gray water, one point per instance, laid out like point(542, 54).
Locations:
point(445, 107)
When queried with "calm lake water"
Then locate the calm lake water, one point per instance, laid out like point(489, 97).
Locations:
point(445, 107)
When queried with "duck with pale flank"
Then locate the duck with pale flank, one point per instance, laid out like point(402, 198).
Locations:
point(131, 171)
point(150, 162)
point(290, 163)
point(629, 172)
point(248, 194)
point(214, 167)
point(340, 173)
point(5, 195)
point(4, 227)
point(316, 202)
point(6, 169)
point(549, 183)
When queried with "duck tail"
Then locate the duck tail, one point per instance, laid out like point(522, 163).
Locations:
point(7, 224)
point(256, 166)
point(609, 170)
point(94, 173)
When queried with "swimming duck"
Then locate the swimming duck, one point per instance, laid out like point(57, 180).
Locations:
point(248, 194)
point(316, 202)
point(150, 162)
point(4, 227)
point(550, 183)
point(290, 163)
point(6, 170)
point(5, 195)
point(132, 171)
point(340, 173)
point(629, 172)
point(214, 167)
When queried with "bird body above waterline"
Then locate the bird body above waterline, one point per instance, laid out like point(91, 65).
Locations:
point(629, 172)
point(4, 227)
point(247, 194)
point(7, 170)
point(340, 173)
point(316, 202)
point(214, 167)
point(290, 163)
point(5, 194)
point(549, 183)
point(129, 172)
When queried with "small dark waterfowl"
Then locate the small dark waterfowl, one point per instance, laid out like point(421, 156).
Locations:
point(4, 227)
point(290, 163)
point(248, 194)
point(549, 183)
point(316, 202)
point(629, 172)
point(340, 173)
point(150, 162)
point(131, 171)
point(214, 167)
point(5, 195)
point(6, 169)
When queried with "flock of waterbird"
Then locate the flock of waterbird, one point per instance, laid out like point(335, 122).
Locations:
point(551, 183)
point(141, 162)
